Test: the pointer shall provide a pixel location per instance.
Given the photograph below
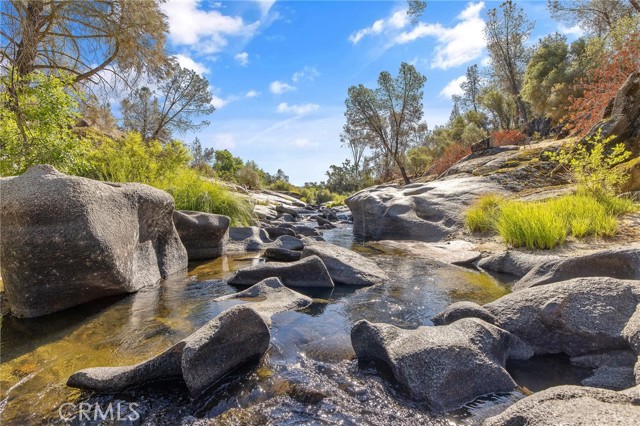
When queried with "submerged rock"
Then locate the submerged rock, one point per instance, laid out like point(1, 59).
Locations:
point(204, 235)
point(575, 317)
point(422, 211)
point(571, 405)
point(270, 297)
point(235, 337)
point(308, 272)
point(346, 266)
point(67, 240)
point(444, 366)
point(623, 264)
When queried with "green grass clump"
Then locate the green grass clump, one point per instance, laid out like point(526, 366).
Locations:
point(483, 214)
point(547, 224)
point(191, 192)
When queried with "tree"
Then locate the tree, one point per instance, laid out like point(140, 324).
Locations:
point(388, 112)
point(183, 95)
point(549, 76)
point(501, 108)
point(98, 114)
point(201, 158)
point(82, 38)
point(596, 17)
point(415, 9)
point(226, 165)
point(506, 33)
point(419, 159)
point(472, 87)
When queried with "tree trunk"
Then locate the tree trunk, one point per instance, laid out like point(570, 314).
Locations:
point(403, 172)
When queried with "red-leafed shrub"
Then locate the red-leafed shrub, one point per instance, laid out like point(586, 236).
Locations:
point(451, 155)
point(507, 137)
point(601, 85)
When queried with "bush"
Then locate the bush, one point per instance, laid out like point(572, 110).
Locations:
point(546, 224)
point(593, 169)
point(324, 196)
point(338, 200)
point(281, 185)
point(507, 137)
point(451, 155)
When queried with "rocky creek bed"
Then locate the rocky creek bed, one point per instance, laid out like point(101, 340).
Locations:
point(308, 376)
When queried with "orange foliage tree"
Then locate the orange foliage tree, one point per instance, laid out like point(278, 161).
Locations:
point(602, 83)
point(451, 155)
point(507, 137)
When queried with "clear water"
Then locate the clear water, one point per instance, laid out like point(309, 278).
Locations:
point(309, 375)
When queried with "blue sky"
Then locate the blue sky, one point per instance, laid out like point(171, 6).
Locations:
point(280, 70)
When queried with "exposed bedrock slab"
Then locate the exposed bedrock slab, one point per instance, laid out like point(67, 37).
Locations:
point(235, 337)
point(67, 240)
point(571, 406)
point(619, 263)
point(445, 366)
point(346, 266)
point(204, 235)
point(308, 272)
point(421, 211)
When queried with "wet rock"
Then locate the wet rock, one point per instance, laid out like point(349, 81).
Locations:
point(204, 235)
point(282, 255)
point(67, 240)
point(287, 242)
point(513, 262)
point(324, 222)
point(447, 366)
point(575, 317)
point(459, 310)
point(571, 405)
point(305, 231)
point(422, 211)
point(248, 238)
point(346, 266)
point(230, 340)
point(270, 297)
point(456, 252)
point(631, 331)
point(308, 272)
point(282, 210)
point(286, 217)
point(275, 232)
point(621, 263)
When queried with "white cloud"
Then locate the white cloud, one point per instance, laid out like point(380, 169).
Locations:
point(252, 94)
point(219, 102)
point(297, 109)
point(187, 62)
point(308, 72)
point(304, 143)
point(242, 58)
point(456, 45)
point(397, 21)
point(265, 5)
point(453, 87)
point(224, 141)
point(376, 28)
point(280, 87)
point(204, 31)
point(575, 31)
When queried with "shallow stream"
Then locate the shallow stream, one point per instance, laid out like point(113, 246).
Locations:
point(309, 375)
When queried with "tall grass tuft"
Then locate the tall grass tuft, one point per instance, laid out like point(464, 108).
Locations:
point(547, 224)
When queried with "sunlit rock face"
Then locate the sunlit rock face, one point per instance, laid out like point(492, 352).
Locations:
point(66, 240)
point(204, 235)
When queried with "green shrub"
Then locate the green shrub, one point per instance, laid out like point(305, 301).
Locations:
point(547, 224)
point(324, 196)
point(281, 185)
point(338, 200)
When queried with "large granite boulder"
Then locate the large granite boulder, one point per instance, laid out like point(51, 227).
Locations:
point(620, 263)
point(421, 211)
point(571, 406)
point(446, 366)
point(459, 310)
point(204, 235)
point(346, 266)
point(247, 238)
point(67, 240)
point(574, 317)
point(282, 255)
point(514, 262)
point(270, 297)
point(308, 272)
point(232, 339)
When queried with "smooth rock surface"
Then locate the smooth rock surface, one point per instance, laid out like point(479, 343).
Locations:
point(623, 264)
point(611, 377)
point(574, 317)
point(230, 340)
point(513, 262)
point(67, 240)
point(282, 255)
point(204, 235)
point(456, 252)
point(422, 211)
point(308, 272)
point(459, 310)
point(571, 406)
point(447, 366)
point(346, 266)
point(631, 331)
